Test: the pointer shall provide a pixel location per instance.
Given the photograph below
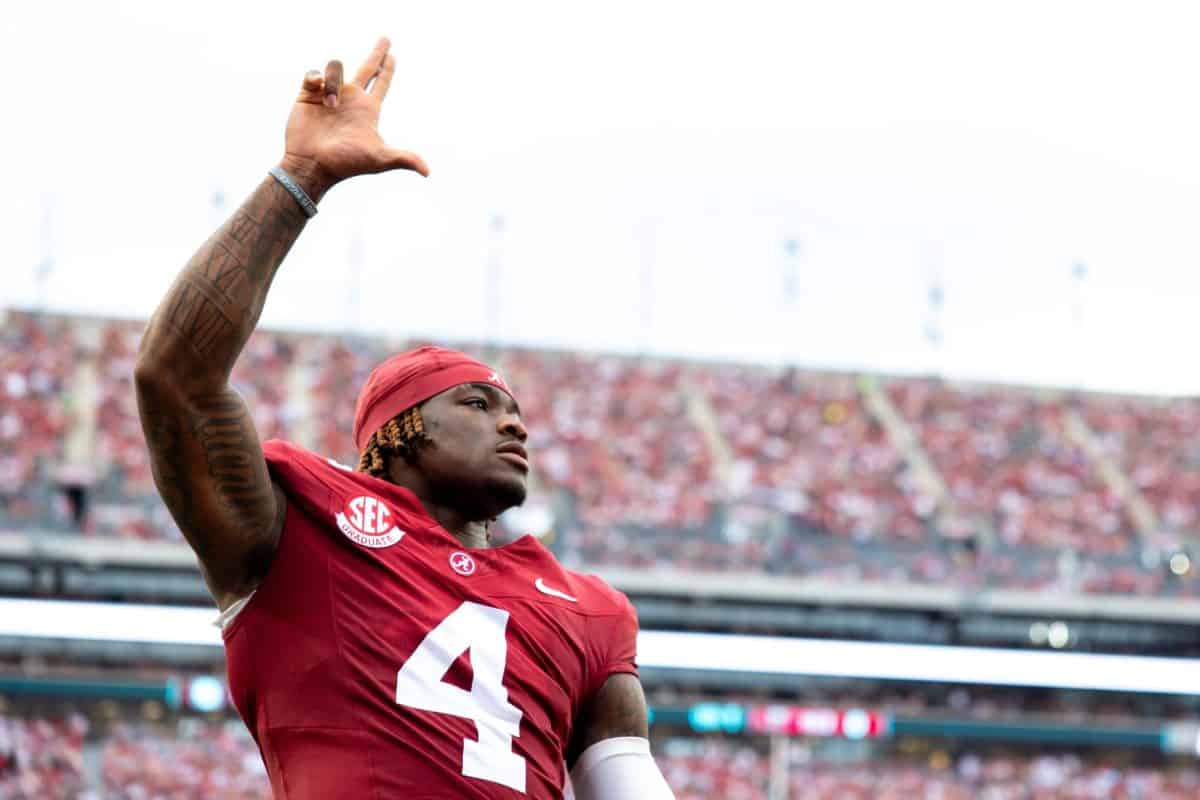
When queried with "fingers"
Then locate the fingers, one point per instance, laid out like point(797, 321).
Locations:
point(405, 159)
point(384, 79)
point(312, 81)
point(373, 63)
point(333, 82)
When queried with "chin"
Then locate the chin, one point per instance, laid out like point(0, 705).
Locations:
point(507, 493)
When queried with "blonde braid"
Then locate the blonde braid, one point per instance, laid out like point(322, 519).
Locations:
point(403, 436)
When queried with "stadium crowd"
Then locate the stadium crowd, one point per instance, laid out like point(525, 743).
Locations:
point(703, 769)
point(803, 444)
point(1011, 469)
point(45, 758)
point(193, 760)
point(37, 359)
point(1156, 443)
point(661, 463)
point(41, 758)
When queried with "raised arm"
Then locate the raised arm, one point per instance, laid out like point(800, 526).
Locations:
point(205, 453)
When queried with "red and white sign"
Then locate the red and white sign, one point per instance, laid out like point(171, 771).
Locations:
point(366, 520)
point(854, 723)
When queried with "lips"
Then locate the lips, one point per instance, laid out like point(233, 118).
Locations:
point(513, 447)
point(514, 453)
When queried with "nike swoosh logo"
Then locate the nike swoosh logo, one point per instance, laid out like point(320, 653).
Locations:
point(544, 589)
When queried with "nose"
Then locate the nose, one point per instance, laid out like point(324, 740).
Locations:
point(511, 425)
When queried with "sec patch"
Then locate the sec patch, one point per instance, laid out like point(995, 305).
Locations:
point(367, 521)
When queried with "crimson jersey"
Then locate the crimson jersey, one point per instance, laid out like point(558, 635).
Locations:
point(381, 659)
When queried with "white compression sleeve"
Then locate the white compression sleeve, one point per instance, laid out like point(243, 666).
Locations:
point(619, 769)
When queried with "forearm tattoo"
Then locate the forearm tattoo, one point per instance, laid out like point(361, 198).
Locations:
point(216, 301)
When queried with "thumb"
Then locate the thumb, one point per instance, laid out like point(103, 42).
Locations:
point(404, 159)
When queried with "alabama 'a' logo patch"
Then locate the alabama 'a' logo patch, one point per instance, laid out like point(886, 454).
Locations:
point(366, 520)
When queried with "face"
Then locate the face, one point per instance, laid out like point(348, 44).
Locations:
point(477, 462)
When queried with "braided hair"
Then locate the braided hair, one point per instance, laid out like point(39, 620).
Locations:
point(402, 435)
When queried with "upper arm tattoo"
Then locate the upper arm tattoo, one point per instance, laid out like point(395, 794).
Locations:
point(209, 468)
point(233, 455)
point(163, 435)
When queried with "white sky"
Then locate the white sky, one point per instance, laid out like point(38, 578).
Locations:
point(649, 160)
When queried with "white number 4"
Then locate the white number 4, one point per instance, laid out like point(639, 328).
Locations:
point(419, 684)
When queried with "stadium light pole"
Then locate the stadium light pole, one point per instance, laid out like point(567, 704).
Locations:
point(491, 284)
point(46, 264)
point(793, 250)
point(216, 208)
point(648, 241)
point(1079, 275)
point(354, 267)
point(934, 327)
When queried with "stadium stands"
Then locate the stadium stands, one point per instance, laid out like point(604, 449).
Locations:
point(41, 758)
point(193, 760)
point(701, 769)
point(62, 758)
point(37, 359)
point(1154, 442)
point(1003, 777)
point(805, 445)
point(660, 463)
point(1010, 467)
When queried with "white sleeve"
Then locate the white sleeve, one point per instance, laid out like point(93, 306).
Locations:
point(227, 616)
point(619, 769)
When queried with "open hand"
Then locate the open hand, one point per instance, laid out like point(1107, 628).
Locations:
point(333, 130)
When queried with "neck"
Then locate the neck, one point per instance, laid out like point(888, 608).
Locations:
point(469, 529)
point(471, 533)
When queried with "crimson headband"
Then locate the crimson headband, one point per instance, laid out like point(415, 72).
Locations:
point(410, 378)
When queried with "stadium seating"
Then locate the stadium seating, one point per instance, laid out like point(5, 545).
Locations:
point(191, 759)
point(333, 369)
point(701, 769)
point(684, 465)
point(1010, 467)
point(1156, 443)
point(41, 758)
point(37, 361)
point(1002, 777)
point(804, 444)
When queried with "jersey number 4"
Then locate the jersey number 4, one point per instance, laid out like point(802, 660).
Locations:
point(419, 684)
